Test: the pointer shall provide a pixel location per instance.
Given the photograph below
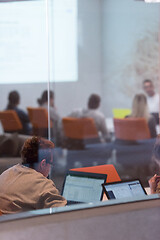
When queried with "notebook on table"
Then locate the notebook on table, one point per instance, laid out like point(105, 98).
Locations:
point(83, 187)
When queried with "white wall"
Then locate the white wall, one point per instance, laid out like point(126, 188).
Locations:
point(118, 48)
point(130, 50)
point(72, 94)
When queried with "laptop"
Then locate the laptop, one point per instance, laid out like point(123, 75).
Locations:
point(83, 187)
point(124, 189)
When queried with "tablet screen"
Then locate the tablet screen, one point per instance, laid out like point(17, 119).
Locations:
point(121, 190)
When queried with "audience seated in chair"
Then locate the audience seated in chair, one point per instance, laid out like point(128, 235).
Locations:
point(57, 131)
point(78, 132)
point(92, 112)
point(13, 102)
point(140, 110)
point(25, 186)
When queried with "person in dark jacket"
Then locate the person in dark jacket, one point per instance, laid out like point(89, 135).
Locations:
point(13, 102)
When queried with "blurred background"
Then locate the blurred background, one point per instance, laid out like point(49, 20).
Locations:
point(54, 55)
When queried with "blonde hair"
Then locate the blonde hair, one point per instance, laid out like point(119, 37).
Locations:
point(140, 107)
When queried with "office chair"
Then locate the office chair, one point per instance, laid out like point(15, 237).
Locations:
point(79, 128)
point(131, 129)
point(39, 119)
point(78, 131)
point(10, 121)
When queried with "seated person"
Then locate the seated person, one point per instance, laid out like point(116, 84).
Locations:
point(154, 182)
point(25, 186)
point(13, 102)
point(140, 110)
point(152, 98)
point(57, 132)
point(92, 112)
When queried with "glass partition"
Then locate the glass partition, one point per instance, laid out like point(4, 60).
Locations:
point(117, 50)
point(85, 75)
point(23, 62)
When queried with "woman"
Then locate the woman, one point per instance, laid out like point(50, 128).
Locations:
point(55, 118)
point(13, 102)
point(154, 182)
point(140, 110)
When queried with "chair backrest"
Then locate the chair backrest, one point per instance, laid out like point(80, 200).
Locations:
point(79, 128)
point(131, 129)
point(112, 175)
point(38, 117)
point(121, 112)
point(10, 121)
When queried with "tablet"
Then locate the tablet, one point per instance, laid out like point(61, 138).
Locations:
point(124, 189)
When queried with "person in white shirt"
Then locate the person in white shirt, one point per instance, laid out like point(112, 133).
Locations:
point(152, 98)
point(92, 112)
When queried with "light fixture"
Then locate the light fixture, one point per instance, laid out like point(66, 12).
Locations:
point(149, 1)
point(152, 1)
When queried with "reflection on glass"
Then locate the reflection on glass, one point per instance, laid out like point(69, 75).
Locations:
point(95, 82)
point(25, 186)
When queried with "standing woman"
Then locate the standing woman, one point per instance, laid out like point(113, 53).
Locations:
point(13, 102)
point(140, 110)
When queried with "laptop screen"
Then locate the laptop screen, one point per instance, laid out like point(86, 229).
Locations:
point(126, 189)
point(83, 187)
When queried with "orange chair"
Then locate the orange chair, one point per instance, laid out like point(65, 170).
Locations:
point(10, 121)
point(131, 129)
point(112, 175)
point(79, 128)
point(39, 119)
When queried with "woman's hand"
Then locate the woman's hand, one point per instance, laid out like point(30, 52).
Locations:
point(153, 182)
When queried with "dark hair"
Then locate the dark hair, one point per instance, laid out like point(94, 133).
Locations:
point(44, 97)
point(13, 99)
point(147, 81)
point(94, 101)
point(36, 149)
